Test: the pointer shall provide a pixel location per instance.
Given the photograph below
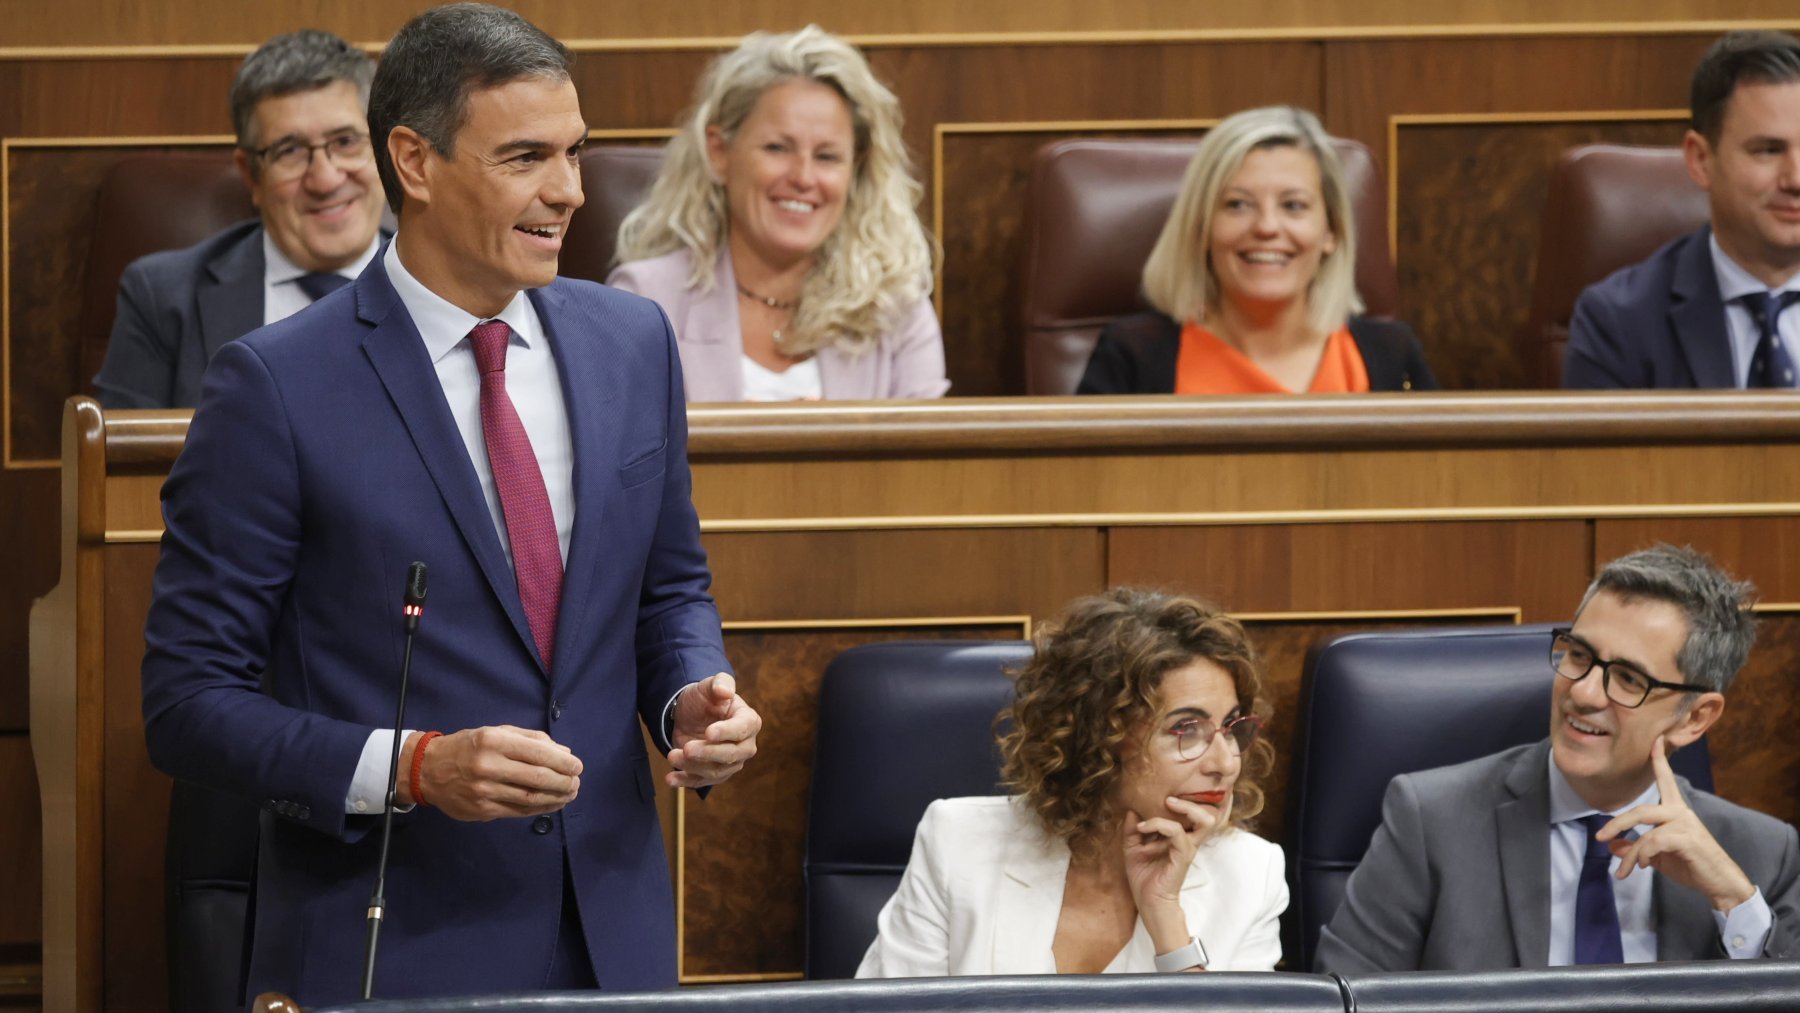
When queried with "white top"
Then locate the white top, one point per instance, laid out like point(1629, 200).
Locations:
point(282, 296)
point(983, 891)
point(799, 382)
point(1744, 930)
point(1734, 284)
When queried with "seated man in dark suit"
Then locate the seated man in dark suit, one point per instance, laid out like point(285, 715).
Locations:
point(298, 105)
point(1587, 849)
point(1707, 309)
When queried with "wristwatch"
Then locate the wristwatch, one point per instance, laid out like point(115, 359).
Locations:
point(1191, 955)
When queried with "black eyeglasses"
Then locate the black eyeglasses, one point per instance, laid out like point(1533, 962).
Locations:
point(290, 157)
point(1624, 685)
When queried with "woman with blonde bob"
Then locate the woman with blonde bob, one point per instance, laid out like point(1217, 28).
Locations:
point(1253, 279)
point(781, 235)
point(1132, 743)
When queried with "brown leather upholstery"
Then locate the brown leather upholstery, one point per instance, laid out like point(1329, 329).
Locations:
point(1094, 210)
point(162, 200)
point(1608, 207)
point(615, 178)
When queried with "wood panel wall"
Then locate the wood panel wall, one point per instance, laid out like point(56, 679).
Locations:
point(1463, 104)
point(1308, 518)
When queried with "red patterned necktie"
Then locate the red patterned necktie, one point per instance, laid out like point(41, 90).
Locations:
point(530, 526)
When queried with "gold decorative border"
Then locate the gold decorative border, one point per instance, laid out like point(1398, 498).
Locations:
point(1511, 612)
point(1398, 120)
point(946, 40)
point(932, 522)
point(942, 129)
point(7, 144)
point(999, 622)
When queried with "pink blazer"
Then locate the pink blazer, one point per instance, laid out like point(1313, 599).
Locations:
point(907, 362)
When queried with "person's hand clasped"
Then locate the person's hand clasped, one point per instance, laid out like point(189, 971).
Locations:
point(1158, 852)
point(715, 733)
point(1677, 844)
point(488, 773)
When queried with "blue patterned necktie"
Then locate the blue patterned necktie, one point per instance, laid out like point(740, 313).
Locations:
point(1771, 366)
point(1596, 914)
point(318, 286)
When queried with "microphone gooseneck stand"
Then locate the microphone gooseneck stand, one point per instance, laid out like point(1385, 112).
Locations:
point(414, 607)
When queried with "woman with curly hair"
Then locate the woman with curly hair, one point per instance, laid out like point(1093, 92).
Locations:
point(781, 235)
point(1132, 745)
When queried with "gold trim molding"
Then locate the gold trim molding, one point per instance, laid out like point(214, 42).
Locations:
point(1398, 120)
point(944, 40)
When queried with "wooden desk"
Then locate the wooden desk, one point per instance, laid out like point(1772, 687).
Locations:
point(836, 524)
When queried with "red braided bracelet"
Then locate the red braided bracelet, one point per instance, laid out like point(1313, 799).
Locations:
point(418, 763)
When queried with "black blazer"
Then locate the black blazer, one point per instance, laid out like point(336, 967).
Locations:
point(1136, 355)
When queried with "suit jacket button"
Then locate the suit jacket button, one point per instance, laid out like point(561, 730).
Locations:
point(542, 825)
point(304, 812)
point(555, 711)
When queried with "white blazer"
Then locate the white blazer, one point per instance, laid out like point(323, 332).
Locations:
point(983, 891)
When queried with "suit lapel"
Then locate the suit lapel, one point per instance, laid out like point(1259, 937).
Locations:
point(1029, 901)
point(588, 391)
point(1697, 315)
point(230, 296)
point(712, 340)
point(398, 354)
point(1523, 825)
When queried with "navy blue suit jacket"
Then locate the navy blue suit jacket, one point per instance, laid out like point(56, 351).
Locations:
point(322, 460)
point(176, 308)
point(1656, 324)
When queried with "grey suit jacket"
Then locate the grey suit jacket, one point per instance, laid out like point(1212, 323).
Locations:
point(176, 308)
point(1658, 324)
point(1458, 875)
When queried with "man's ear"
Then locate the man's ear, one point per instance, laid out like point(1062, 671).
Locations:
point(411, 155)
point(241, 159)
point(1706, 709)
point(1698, 154)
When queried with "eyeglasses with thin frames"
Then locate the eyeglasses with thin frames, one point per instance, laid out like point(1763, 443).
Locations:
point(290, 157)
point(1573, 658)
point(1193, 736)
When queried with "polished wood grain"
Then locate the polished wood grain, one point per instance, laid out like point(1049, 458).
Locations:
point(223, 22)
point(1762, 550)
point(29, 521)
point(1467, 246)
point(21, 861)
point(1754, 760)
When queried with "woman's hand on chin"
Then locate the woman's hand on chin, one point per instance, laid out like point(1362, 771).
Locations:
point(1158, 851)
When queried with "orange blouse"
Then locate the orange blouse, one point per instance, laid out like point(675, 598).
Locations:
point(1207, 365)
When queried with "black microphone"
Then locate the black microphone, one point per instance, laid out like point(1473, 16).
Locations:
point(413, 607)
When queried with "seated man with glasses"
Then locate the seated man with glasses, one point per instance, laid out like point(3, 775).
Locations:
point(1132, 744)
point(1586, 848)
point(298, 105)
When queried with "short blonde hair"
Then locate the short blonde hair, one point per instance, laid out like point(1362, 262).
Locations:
point(1179, 278)
point(873, 266)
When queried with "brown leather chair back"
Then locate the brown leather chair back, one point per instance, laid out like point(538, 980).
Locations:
point(1608, 206)
point(162, 200)
point(615, 178)
point(1094, 210)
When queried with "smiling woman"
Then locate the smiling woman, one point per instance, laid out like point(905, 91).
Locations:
point(782, 236)
point(1253, 279)
point(1133, 743)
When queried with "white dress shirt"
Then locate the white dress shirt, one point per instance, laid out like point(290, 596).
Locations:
point(533, 385)
point(1735, 283)
point(282, 296)
point(1743, 931)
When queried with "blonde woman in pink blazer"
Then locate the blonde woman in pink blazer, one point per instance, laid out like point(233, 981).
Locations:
point(781, 235)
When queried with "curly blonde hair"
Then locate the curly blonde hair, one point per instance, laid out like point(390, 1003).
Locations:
point(1093, 684)
point(873, 266)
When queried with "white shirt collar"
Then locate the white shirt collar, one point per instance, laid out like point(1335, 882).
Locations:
point(444, 325)
point(277, 268)
point(1734, 281)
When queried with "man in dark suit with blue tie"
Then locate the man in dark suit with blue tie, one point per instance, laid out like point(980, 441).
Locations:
point(1712, 309)
point(297, 104)
point(525, 436)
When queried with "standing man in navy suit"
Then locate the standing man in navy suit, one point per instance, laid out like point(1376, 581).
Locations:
point(297, 104)
point(1715, 308)
point(524, 435)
